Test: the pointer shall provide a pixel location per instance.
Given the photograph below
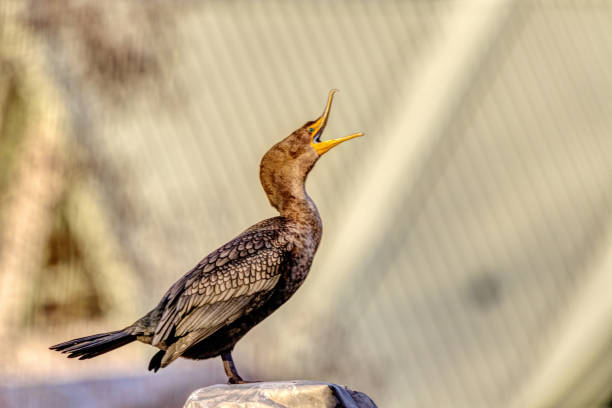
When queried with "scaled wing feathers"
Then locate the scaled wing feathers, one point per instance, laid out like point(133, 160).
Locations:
point(220, 289)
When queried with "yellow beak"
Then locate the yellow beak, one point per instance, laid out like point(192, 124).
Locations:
point(317, 128)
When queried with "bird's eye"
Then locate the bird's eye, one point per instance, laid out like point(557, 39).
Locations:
point(311, 130)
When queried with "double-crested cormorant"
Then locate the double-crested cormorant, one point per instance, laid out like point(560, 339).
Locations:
point(232, 289)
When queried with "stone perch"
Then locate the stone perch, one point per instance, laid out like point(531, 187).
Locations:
point(285, 394)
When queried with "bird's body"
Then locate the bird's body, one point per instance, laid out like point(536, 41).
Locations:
point(238, 285)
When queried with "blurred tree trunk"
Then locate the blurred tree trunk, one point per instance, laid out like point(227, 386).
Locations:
point(37, 167)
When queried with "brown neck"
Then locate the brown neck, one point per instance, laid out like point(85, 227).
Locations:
point(287, 193)
point(283, 171)
point(300, 208)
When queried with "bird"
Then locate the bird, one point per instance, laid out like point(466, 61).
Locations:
point(208, 310)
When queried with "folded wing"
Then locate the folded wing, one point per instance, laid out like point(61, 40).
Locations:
point(224, 286)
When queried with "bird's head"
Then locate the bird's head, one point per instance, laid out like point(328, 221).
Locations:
point(284, 167)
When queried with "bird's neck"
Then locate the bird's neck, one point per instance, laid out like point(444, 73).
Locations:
point(302, 209)
point(294, 203)
point(288, 195)
point(303, 214)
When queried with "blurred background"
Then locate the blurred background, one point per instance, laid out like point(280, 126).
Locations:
point(467, 253)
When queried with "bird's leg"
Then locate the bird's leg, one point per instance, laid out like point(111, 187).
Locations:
point(230, 369)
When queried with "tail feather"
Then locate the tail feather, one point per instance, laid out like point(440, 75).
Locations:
point(92, 346)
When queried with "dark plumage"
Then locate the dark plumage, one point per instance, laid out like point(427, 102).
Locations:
point(210, 308)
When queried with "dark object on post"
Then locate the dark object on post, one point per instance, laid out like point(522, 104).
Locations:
point(285, 394)
point(234, 288)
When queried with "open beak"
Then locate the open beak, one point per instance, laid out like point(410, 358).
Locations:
point(316, 130)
